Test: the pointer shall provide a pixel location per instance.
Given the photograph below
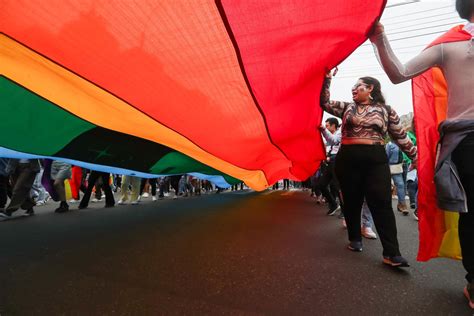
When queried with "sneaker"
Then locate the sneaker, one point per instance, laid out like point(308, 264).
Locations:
point(175, 197)
point(397, 261)
point(95, 200)
point(412, 206)
point(5, 214)
point(102, 196)
point(415, 214)
point(145, 194)
point(153, 198)
point(368, 233)
point(82, 206)
point(122, 202)
point(355, 246)
point(333, 210)
point(109, 205)
point(135, 202)
point(40, 203)
point(30, 212)
point(161, 197)
point(469, 293)
point(72, 201)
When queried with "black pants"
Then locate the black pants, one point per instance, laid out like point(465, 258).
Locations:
point(328, 180)
point(98, 188)
point(286, 184)
point(82, 186)
point(3, 191)
point(463, 157)
point(363, 172)
point(314, 186)
point(117, 181)
point(152, 183)
point(93, 177)
point(174, 182)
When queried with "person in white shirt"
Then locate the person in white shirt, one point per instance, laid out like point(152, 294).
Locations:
point(456, 60)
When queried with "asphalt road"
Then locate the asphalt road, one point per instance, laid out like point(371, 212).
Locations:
point(273, 253)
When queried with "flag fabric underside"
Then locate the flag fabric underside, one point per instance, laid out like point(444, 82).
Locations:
point(232, 85)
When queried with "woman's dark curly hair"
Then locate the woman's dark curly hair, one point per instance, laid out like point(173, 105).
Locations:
point(465, 8)
point(376, 93)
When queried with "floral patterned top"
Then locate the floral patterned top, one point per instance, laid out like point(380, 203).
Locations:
point(371, 121)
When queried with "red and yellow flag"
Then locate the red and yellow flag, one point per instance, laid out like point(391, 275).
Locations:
point(438, 229)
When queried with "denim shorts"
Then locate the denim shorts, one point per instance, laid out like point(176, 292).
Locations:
point(60, 170)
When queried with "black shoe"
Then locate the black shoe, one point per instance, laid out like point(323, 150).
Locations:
point(397, 261)
point(109, 205)
point(412, 205)
point(30, 212)
point(63, 208)
point(82, 206)
point(355, 246)
point(333, 210)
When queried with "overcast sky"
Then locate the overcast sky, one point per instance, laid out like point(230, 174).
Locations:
point(409, 26)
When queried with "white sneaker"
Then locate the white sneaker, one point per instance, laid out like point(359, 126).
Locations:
point(368, 233)
point(40, 203)
point(71, 201)
point(135, 202)
point(121, 202)
point(95, 200)
point(153, 198)
point(145, 194)
point(175, 197)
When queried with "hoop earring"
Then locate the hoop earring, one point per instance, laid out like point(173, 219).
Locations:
point(370, 97)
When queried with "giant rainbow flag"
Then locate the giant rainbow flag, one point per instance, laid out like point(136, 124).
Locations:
point(152, 87)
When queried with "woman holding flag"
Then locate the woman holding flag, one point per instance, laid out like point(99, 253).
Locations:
point(443, 86)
